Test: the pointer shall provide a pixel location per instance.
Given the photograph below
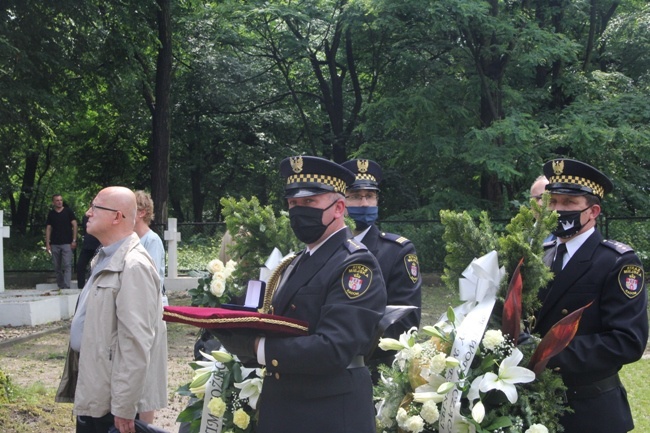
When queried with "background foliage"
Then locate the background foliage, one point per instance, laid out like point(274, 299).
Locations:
point(460, 102)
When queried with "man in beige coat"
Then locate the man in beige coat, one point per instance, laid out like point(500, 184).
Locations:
point(117, 338)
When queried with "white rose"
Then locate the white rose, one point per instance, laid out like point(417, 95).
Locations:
point(217, 287)
point(215, 266)
point(492, 339)
point(537, 428)
point(430, 412)
point(415, 424)
point(230, 266)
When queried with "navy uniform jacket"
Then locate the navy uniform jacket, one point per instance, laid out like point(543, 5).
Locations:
point(316, 383)
point(613, 331)
point(401, 270)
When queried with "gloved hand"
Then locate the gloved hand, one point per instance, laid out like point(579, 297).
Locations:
point(206, 343)
point(525, 338)
point(238, 342)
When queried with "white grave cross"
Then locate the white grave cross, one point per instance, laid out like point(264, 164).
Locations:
point(4, 233)
point(172, 236)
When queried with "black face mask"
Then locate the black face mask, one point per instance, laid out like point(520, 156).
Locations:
point(307, 222)
point(568, 223)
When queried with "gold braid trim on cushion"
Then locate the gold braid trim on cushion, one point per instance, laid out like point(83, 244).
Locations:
point(272, 285)
point(239, 320)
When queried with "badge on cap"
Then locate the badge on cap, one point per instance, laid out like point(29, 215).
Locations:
point(356, 280)
point(296, 163)
point(558, 167)
point(362, 165)
point(412, 266)
point(631, 280)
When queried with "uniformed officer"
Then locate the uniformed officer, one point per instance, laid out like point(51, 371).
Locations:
point(613, 331)
point(319, 383)
point(396, 254)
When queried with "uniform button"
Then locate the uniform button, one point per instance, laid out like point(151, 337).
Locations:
point(564, 311)
point(277, 376)
point(293, 307)
point(274, 363)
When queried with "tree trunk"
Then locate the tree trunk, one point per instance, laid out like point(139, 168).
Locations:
point(20, 217)
point(161, 116)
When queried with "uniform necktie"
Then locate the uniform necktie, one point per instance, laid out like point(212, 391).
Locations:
point(300, 261)
point(559, 258)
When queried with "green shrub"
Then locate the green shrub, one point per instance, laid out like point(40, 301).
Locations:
point(635, 233)
point(26, 253)
point(256, 231)
point(195, 251)
point(427, 238)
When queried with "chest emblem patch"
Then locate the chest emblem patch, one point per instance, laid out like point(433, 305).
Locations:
point(631, 280)
point(355, 280)
point(412, 266)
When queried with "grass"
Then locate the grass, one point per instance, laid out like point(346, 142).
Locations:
point(32, 407)
point(636, 378)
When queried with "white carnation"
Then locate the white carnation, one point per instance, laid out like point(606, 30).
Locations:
point(401, 417)
point(430, 412)
point(438, 363)
point(492, 339)
point(414, 424)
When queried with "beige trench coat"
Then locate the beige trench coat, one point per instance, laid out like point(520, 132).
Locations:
point(122, 367)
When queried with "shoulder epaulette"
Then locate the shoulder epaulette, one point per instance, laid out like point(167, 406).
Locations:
point(354, 246)
point(619, 247)
point(394, 238)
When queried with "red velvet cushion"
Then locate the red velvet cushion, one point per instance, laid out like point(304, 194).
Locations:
point(205, 317)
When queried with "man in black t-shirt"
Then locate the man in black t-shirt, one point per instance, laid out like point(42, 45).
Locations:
point(61, 239)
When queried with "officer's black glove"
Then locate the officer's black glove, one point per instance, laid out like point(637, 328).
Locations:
point(207, 343)
point(525, 338)
point(240, 343)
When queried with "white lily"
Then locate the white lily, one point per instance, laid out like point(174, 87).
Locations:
point(478, 412)
point(251, 388)
point(199, 382)
point(215, 356)
point(406, 341)
point(424, 396)
point(461, 425)
point(509, 375)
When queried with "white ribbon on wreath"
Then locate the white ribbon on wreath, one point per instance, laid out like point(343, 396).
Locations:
point(214, 388)
point(478, 288)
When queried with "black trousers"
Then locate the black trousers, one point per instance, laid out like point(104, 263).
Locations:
point(88, 424)
point(85, 256)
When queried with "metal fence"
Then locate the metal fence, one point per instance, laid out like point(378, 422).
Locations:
point(26, 253)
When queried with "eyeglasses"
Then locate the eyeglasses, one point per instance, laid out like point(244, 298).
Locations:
point(359, 197)
point(94, 206)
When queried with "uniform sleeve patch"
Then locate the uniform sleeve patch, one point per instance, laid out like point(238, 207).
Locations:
point(412, 267)
point(355, 280)
point(631, 280)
